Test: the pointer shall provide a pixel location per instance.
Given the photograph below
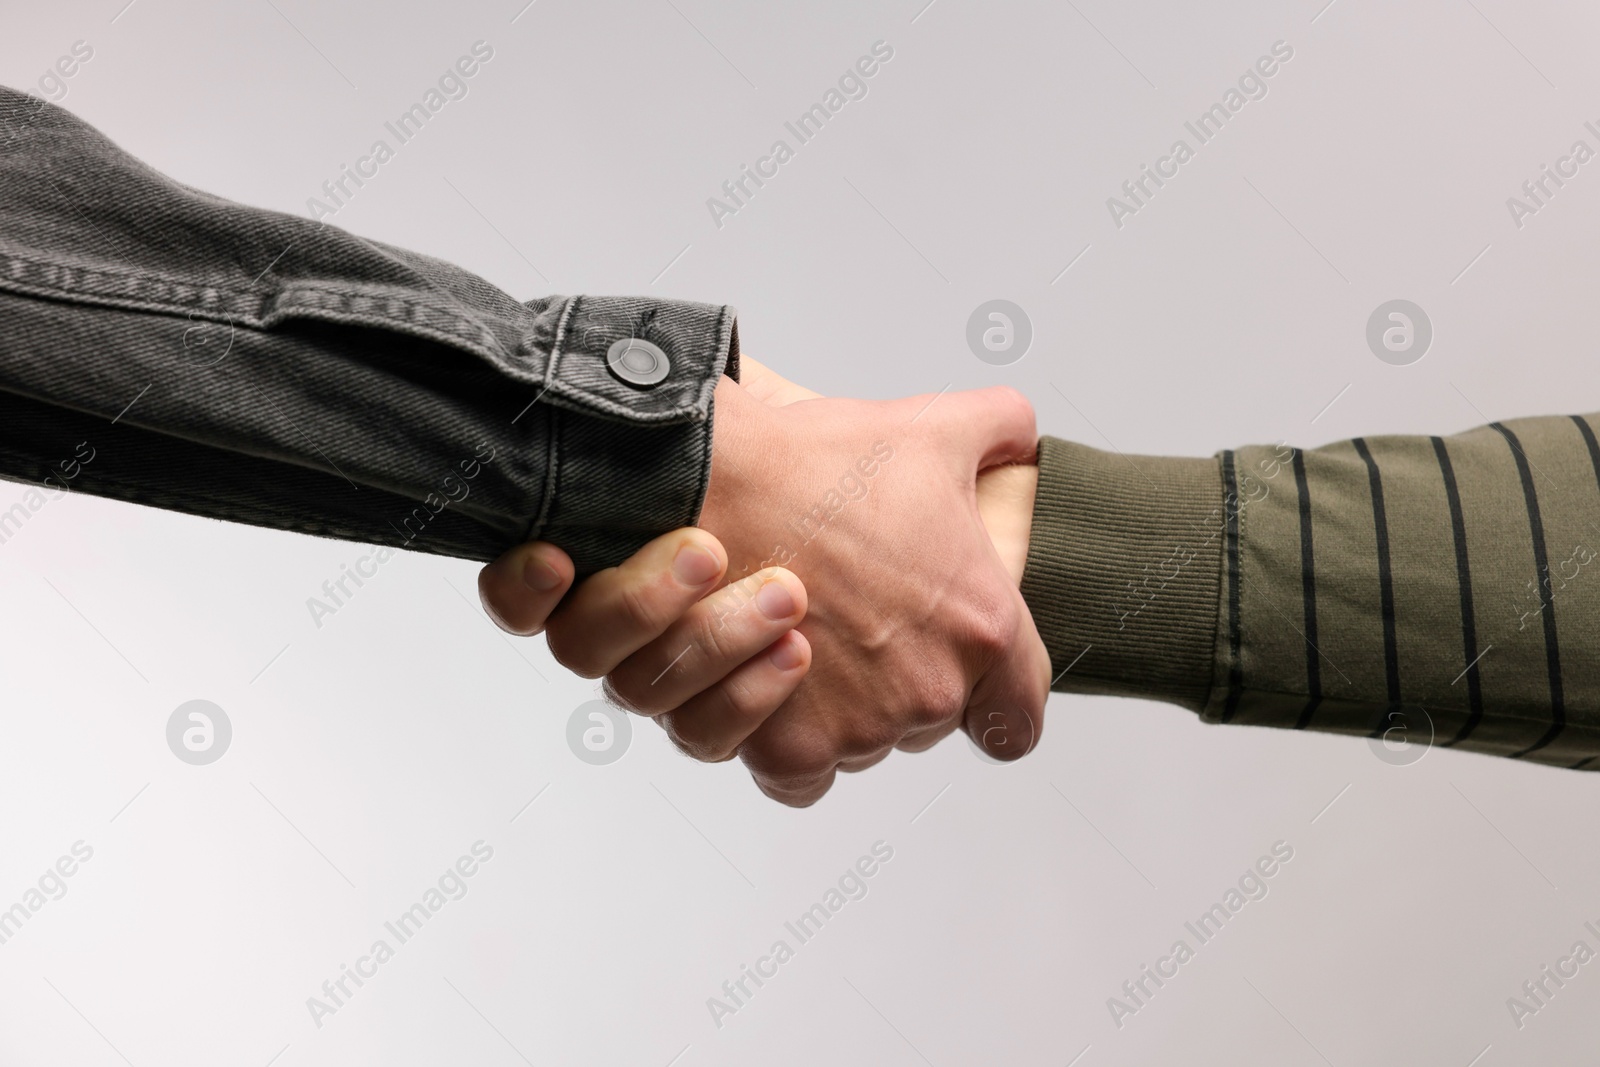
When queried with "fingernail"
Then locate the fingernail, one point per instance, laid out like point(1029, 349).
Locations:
point(539, 575)
point(785, 655)
point(694, 566)
point(774, 601)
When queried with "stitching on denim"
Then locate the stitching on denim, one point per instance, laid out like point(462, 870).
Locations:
point(553, 430)
point(552, 478)
point(145, 292)
point(702, 479)
point(592, 403)
point(300, 299)
point(555, 344)
point(388, 307)
point(708, 390)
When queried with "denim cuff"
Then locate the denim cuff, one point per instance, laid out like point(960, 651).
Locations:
point(628, 463)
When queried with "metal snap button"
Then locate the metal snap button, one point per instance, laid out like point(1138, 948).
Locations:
point(638, 362)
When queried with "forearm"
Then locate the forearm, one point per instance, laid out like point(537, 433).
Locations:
point(1337, 588)
point(258, 367)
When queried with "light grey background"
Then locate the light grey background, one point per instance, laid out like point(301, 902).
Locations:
point(369, 754)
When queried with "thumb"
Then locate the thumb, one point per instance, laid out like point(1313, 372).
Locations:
point(1006, 713)
point(991, 427)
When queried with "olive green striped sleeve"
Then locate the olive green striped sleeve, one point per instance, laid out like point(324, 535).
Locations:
point(1447, 586)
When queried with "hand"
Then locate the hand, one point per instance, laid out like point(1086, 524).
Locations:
point(614, 624)
point(1005, 494)
point(716, 663)
point(915, 622)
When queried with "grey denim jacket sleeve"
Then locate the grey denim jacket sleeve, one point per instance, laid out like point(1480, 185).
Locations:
point(264, 368)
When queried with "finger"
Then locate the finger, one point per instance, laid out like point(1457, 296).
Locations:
point(1006, 714)
point(712, 725)
point(618, 611)
point(521, 588)
point(796, 792)
point(711, 639)
point(795, 755)
point(853, 766)
point(990, 427)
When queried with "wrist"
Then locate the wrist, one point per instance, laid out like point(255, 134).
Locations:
point(742, 446)
point(1005, 503)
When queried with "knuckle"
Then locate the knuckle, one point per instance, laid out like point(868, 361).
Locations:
point(655, 679)
point(711, 633)
point(627, 695)
point(1016, 404)
point(569, 650)
point(739, 702)
point(872, 735)
point(922, 740)
point(991, 629)
point(616, 697)
point(939, 698)
point(790, 764)
point(641, 611)
point(1016, 397)
point(926, 714)
point(684, 737)
point(698, 749)
point(790, 795)
point(703, 737)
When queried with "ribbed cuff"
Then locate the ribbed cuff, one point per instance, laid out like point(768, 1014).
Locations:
point(1123, 572)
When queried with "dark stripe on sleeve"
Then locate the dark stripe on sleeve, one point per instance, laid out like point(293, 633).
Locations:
point(1469, 625)
point(1230, 506)
point(1594, 446)
point(1308, 594)
point(1391, 644)
point(1541, 565)
point(1594, 461)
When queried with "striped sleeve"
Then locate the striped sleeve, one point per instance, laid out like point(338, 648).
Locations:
point(1442, 584)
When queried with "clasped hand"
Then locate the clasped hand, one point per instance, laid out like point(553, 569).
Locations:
point(852, 588)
